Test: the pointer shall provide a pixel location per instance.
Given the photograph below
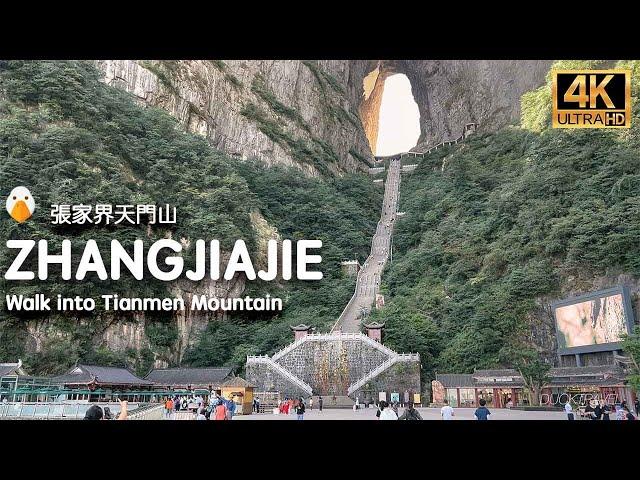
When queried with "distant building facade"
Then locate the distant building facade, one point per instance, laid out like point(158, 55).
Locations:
point(503, 388)
point(203, 380)
point(97, 383)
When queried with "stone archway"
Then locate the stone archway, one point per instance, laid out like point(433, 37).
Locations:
point(373, 86)
point(453, 93)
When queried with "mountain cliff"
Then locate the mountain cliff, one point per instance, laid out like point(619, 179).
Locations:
point(451, 93)
point(293, 113)
point(322, 116)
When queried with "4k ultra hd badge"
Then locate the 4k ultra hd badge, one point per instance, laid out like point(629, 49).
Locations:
point(591, 98)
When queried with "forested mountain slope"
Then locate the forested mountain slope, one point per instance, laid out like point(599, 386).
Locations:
point(498, 227)
point(72, 139)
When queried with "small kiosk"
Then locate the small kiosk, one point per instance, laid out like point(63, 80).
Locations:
point(241, 392)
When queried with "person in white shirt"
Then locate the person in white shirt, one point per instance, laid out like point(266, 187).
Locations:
point(446, 412)
point(569, 410)
point(387, 412)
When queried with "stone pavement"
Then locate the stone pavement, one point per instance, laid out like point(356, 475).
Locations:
point(427, 414)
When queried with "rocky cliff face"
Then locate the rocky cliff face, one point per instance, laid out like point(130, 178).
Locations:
point(322, 116)
point(451, 93)
point(296, 113)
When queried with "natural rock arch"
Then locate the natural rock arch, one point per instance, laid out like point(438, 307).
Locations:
point(453, 93)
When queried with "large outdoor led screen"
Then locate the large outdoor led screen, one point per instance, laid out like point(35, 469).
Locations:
point(593, 322)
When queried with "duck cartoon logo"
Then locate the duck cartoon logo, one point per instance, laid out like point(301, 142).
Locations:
point(20, 204)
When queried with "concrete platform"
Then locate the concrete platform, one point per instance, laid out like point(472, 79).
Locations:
point(427, 414)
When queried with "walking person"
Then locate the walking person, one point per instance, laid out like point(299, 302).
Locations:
point(410, 413)
point(201, 415)
point(386, 412)
point(300, 409)
point(169, 407)
point(606, 411)
point(482, 412)
point(221, 410)
point(568, 409)
point(310, 403)
point(446, 412)
point(231, 408)
point(597, 411)
point(320, 403)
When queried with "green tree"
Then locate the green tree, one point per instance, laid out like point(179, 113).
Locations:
point(631, 347)
point(534, 370)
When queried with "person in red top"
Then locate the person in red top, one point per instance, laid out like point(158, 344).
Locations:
point(168, 406)
point(221, 411)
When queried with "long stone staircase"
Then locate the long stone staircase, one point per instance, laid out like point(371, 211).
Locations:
point(396, 358)
point(279, 369)
point(368, 279)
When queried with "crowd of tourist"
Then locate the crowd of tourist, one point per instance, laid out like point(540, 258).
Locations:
point(389, 411)
point(600, 410)
point(215, 408)
point(295, 406)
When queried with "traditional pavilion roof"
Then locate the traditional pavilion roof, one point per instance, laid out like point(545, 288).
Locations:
point(301, 328)
point(508, 377)
point(374, 325)
point(238, 382)
point(189, 376)
point(590, 375)
point(86, 374)
point(455, 380)
point(589, 370)
point(10, 369)
point(499, 372)
point(480, 378)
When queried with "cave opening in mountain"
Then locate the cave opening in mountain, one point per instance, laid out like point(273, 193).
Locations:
point(389, 112)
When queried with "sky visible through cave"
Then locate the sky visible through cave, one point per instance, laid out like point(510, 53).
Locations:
point(399, 121)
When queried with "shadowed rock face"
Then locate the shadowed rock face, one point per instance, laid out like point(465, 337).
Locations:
point(322, 116)
point(451, 93)
point(286, 112)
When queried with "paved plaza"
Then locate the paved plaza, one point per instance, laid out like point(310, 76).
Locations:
point(426, 413)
